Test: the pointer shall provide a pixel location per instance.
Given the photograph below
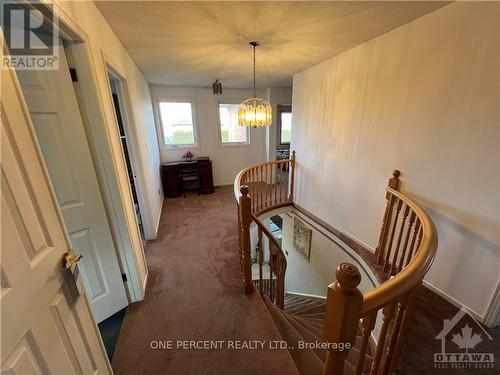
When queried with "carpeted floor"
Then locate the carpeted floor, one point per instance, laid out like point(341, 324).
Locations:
point(194, 292)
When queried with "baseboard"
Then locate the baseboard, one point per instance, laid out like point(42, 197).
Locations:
point(144, 284)
point(305, 295)
point(452, 300)
point(155, 234)
point(357, 241)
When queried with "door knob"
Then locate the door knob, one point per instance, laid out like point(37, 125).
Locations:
point(69, 258)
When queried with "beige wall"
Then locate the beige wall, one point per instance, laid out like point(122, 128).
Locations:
point(423, 98)
point(276, 96)
point(102, 41)
point(227, 160)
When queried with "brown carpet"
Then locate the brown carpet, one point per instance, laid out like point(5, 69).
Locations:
point(194, 292)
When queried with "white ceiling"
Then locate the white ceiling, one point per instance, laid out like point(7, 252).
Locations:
point(192, 43)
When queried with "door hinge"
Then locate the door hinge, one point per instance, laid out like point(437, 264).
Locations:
point(74, 76)
point(124, 277)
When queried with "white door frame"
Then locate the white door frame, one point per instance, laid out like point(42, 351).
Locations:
point(132, 139)
point(117, 199)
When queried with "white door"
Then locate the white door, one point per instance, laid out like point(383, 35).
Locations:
point(46, 326)
point(58, 125)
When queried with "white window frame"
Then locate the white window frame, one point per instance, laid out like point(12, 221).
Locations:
point(159, 125)
point(219, 133)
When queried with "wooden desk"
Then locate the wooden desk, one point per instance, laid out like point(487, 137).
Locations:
point(171, 174)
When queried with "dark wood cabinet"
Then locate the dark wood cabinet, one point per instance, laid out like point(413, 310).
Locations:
point(206, 178)
point(171, 177)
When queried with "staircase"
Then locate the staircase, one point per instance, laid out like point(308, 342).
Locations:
point(302, 321)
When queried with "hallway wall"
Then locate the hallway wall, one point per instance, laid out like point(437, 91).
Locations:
point(423, 98)
point(102, 42)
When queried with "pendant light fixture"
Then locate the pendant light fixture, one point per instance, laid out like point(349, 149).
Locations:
point(217, 87)
point(255, 112)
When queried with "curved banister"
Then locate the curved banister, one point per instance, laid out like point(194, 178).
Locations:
point(413, 273)
point(259, 188)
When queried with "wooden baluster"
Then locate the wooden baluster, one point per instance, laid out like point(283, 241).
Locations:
point(393, 184)
point(391, 238)
point(366, 330)
point(259, 188)
point(387, 313)
point(402, 331)
point(343, 308)
point(240, 246)
point(260, 255)
point(286, 176)
point(262, 187)
point(396, 327)
point(271, 263)
point(276, 183)
point(246, 219)
point(416, 229)
point(394, 264)
point(266, 202)
point(407, 240)
point(291, 170)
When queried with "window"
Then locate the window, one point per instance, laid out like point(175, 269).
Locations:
point(177, 123)
point(284, 125)
point(230, 131)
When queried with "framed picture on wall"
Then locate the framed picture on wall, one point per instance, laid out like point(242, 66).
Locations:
point(302, 237)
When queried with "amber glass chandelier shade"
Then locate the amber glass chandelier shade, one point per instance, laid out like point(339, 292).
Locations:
point(255, 112)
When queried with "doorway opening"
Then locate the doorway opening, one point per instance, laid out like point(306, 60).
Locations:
point(117, 89)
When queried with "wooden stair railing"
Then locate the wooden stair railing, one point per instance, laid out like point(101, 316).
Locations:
point(406, 249)
point(260, 188)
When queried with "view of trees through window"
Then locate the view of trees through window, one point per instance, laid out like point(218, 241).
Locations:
point(230, 131)
point(177, 123)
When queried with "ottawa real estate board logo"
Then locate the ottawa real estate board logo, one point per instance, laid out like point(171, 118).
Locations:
point(31, 32)
point(463, 341)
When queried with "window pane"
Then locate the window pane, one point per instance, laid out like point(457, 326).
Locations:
point(230, 131)
point(286, 127)
point(177, 122)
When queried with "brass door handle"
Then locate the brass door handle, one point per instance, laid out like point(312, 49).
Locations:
point(69, 258)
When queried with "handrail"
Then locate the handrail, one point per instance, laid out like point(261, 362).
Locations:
point(237, 180)
point(407, 247)
point(257, 189)
point(414, 272)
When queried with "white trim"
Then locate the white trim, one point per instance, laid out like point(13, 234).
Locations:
point(159, 126)
point(131, 136)
point(452, 300)
point(491, 316)
point(101, 148)
point(219, 133)
point(159, 217)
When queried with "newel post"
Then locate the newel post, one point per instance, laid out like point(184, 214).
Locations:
point(343, 309)
point(393, 184)
point(292, 175)
point(246, 220)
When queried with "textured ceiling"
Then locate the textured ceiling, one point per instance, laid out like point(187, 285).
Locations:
point(192, 43)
